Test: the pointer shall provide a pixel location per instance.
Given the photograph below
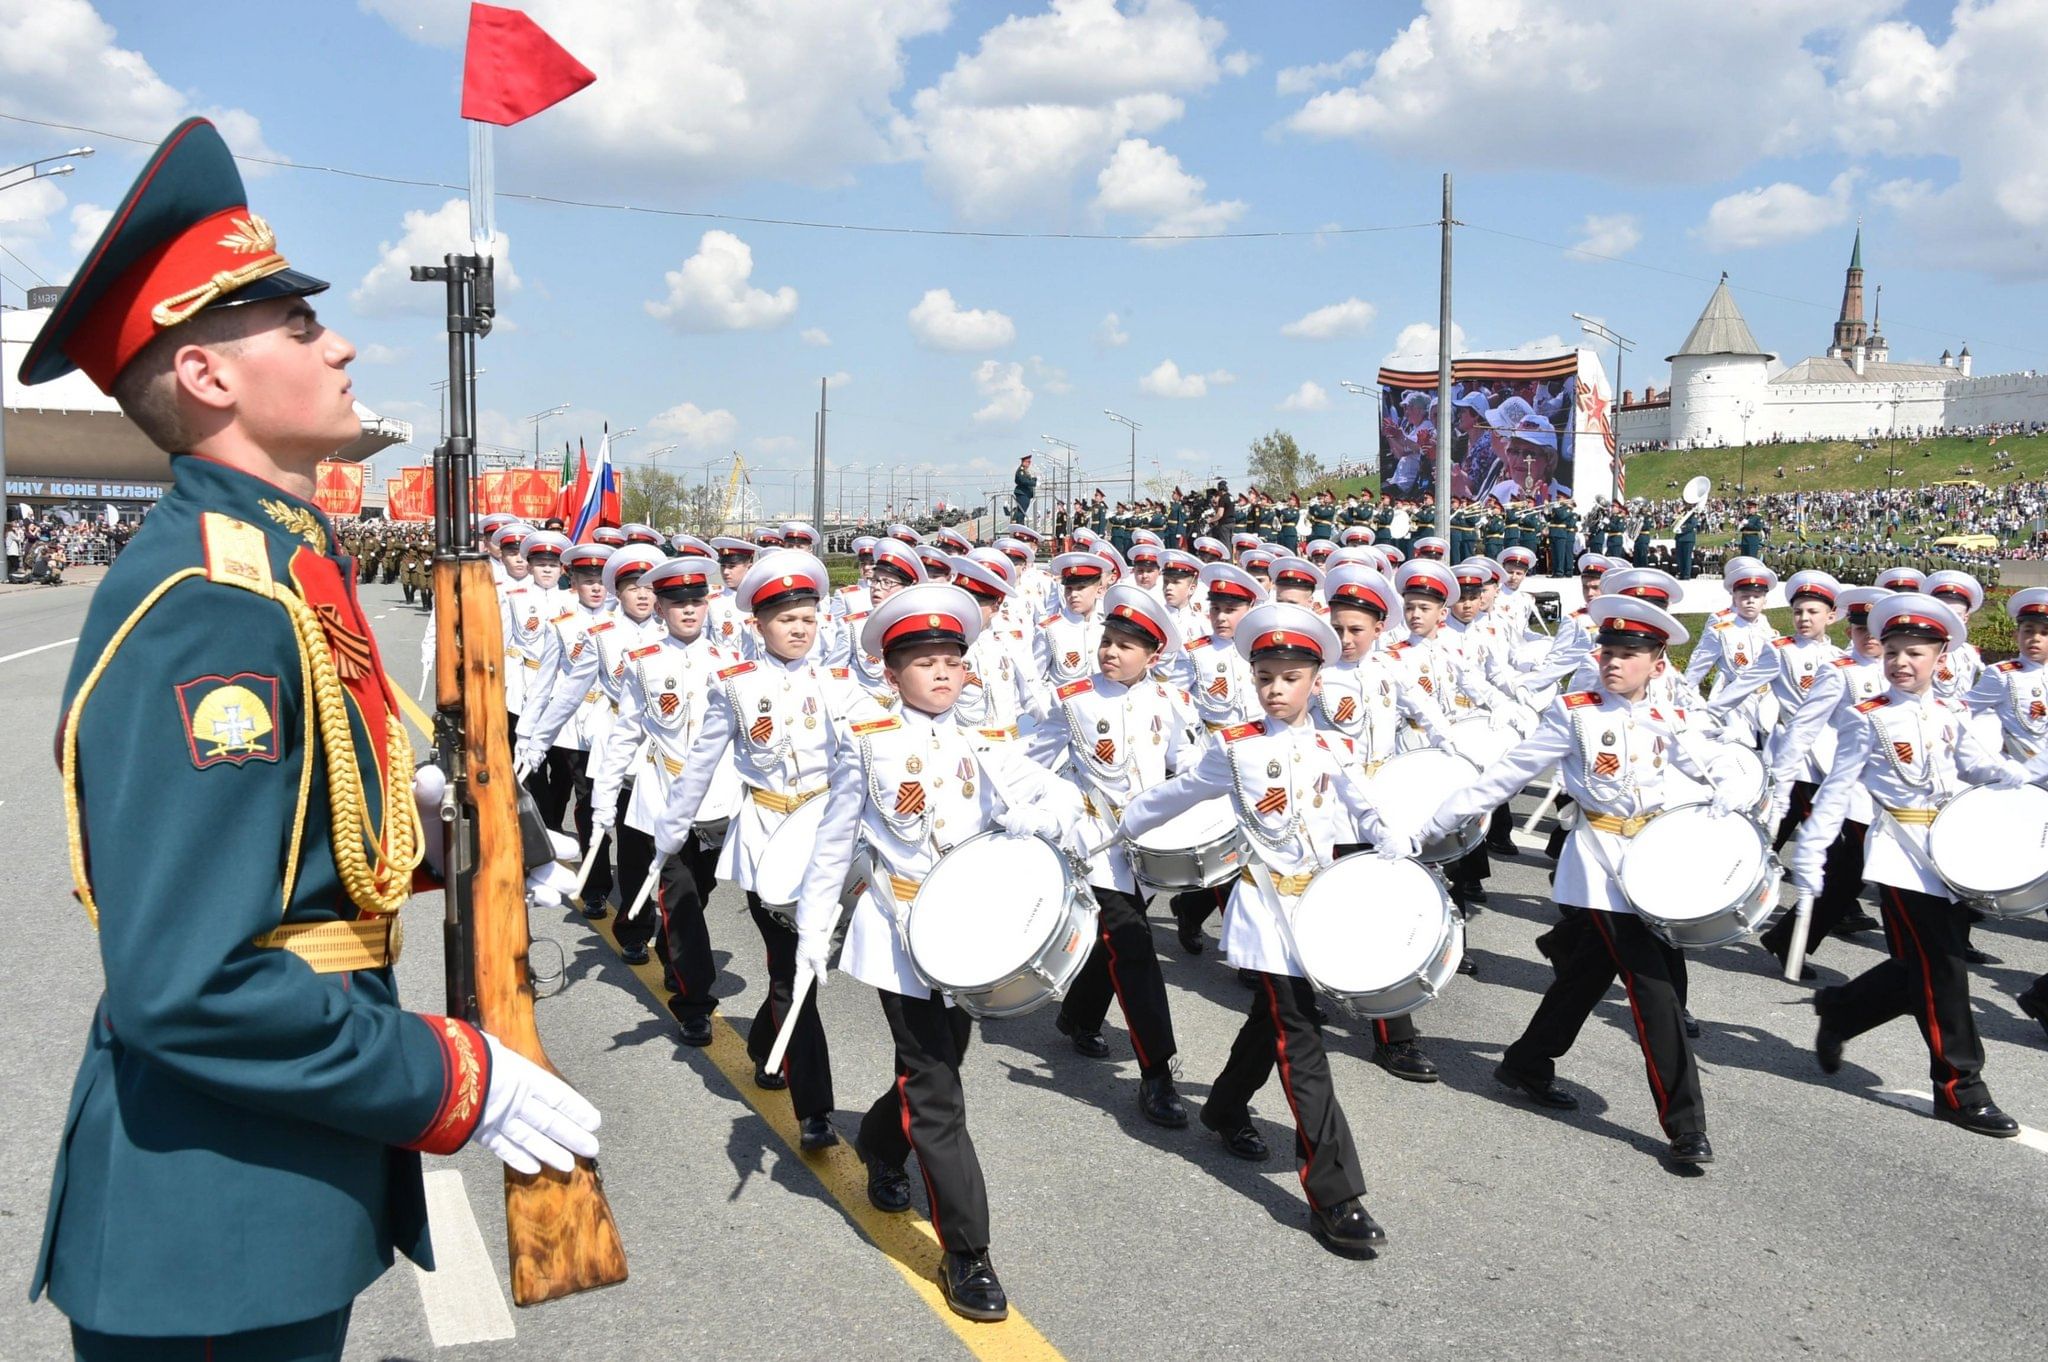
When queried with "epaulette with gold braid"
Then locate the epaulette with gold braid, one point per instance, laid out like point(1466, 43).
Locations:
point(1874, 702)
point(1236, 731)
point(730, 672)
point(1581, 697)
point(874, 725)
point(1075, 687)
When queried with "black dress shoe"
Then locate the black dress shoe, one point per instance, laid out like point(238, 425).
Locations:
point(1403, 1060)
point(1467, 965)
point(1089, 1043)
point(1475, 897)
point(2034, 1002)
point(1827, 1041)
point(888, 1188)
point(1859, 921)
point(1981, 1118)
point(1973, 956)
point(636, 956)
point(1543, 1094)
point(969, 1283)
point(595, 912)
point(1160, 1104)
point(1242, 1139)
point(1692, 1148)
point(815, 1133)
point(1692, 1024)
point(769, 1079)
point(697, 1030)
point(1347, 1228)
point(1502, 848)
point(1189, 933)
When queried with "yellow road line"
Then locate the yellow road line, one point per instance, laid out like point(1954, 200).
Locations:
point(906, 1239)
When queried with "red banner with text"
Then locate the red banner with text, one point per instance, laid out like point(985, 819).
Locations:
point(410, 495)
point(338, 487)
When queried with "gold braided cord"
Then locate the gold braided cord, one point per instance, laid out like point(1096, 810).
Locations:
point(74, 821)
point(370, 890)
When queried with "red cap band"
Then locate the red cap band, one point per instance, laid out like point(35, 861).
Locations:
point(1741, 582)
point(1144, 621)
point(922, 624)
point(1285, 638)
point(1933, 626)
point(1649, 593)
point(1235, 590)
point(1353, 594)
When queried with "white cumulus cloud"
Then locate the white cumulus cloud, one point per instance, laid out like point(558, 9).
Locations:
point(1348, 318)
point(693, 426)
point(1418, 341)
point(1310, 396)
point(713, 291)
point(939, 323)
point(1167, 380)
point(1610, 234)
point(1299, 80)
point(1775, 213)
point(1147, 182)
point(1111, 331)
point(88, 220)
point(814, 335)
point(1003, 386)
point(424, 237)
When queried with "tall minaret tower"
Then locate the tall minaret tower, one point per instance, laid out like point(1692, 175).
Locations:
point(1879, 351)
point(1849, 331)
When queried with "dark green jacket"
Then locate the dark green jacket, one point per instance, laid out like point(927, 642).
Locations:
point(239, 1150)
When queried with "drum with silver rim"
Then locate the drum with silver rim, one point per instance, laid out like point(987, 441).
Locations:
point(779, 878)
point(1737, 772)
point(1482, 741)
point(1198, 849)
point(1421, 781)
point(1991, 848)
point(1698, 880)
point(1381, 937)
point(1002, 923)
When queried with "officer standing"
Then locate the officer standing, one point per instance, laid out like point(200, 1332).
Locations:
point(1685, 540)
point(1753, 533)
point(1564, 526)
point(249, 1060)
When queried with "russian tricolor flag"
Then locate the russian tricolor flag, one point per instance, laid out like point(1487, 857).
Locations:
point(600, 498)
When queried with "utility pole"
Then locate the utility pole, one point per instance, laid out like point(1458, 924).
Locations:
point(1135, 428)
point(818, 470)
point(1443, 374)
point(1622, 345)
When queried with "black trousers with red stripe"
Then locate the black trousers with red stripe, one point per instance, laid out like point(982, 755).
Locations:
point(683, 943)
point(808, 1063)
point(1280, 1031)
point(1927, 979)
point(1124, 964)
point(553, 781)
point(1591, 949)
point(1841, 883)
point(925, 1110)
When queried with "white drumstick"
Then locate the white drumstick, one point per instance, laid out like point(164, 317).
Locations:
point(1549, 798)
point(1795, 949)
point(647, 886)
point(798, 992)
point(589, 860)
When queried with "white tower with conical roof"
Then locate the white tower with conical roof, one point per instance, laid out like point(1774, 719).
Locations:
point(1719, 378)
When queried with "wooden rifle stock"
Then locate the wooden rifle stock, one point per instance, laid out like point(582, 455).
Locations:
point(559, 1230)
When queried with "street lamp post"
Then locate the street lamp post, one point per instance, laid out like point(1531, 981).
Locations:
point(537, 419)
point(1360, 390)
point(39, 169)
point(1622, 345)
point(1135, 428)
point(1070, 450)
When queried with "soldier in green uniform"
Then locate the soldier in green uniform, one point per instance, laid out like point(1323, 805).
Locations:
point(1564, 529)
point(241, 1155)
point(1684, 540)
point(1753, 533)
point(1493, 530)
point(1612, 525)
point(1464, 521)
point(1322, 517)
point(1382, 517)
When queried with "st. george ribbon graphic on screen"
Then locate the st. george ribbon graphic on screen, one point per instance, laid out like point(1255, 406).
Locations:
point(1515, 424)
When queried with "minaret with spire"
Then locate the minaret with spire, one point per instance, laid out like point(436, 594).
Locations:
point(1880, 353)
point(1849, 328)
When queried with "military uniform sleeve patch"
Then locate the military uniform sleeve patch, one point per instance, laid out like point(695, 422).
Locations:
point(230, 718)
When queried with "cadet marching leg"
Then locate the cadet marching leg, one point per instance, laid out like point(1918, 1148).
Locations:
point(1123, 963)
point(924, 1111)
point(807, 1068)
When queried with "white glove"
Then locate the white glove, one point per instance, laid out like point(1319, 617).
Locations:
point(525, 762)
point(1028, 820)
point(1395, 845)
point(2011, 777)
point(814, 954)
point(1804, 881)
point(1719, 805)
point(532, 1117)
point(1802, 907)
point(604, 815)
point(429, 785)
point(548, 886)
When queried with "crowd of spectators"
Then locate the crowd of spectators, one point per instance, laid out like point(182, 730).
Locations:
point(41, 547)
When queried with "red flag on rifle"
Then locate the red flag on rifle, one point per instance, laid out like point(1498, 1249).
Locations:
point(511, 68)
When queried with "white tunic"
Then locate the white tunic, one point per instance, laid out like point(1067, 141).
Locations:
point(601, 667)
point(1612, 755)
point(1372, 702)
point(1064, 647)
point(1727, 646)
point(1218, 679)
point(1911, 752)
point(926, 767)
point(2009, 707)
point(667, 690)
point(1298, 795)
point(593, 712)
point(523, 611)
point(1113, 741)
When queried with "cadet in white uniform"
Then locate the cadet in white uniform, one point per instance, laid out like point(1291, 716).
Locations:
point(1611, 747)
point(1001, 686)
point(896, 566)
point(1298, 795)
point(1913, 751)
point(571, 741)
point(1732, 642)
point(1064, 645)
point(912, 786)
point(781, 718)
point(1114, 734)
point(2012, 699)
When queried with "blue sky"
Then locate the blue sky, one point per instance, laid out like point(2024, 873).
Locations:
point(1679, 137)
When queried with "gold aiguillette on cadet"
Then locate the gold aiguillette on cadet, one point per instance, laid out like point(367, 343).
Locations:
point(561, 1235)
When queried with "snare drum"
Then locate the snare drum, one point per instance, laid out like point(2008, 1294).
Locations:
point(779, 878)
point(1380, 937)
point(1991, 847)
point(1198, 849)
point(1002, 923)
point(1737, 771)
point(1697, 880)
point(1419, 783)
point(1481, 741)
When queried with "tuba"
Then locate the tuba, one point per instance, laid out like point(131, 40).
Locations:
point(1694, 495)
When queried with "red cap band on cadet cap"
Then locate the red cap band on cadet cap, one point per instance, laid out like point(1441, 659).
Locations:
point(2034, 608)
point(1295, 575)
point(974, 586)
point(1933, 626)
point(1950, 592)
point(1814, 589)
point(1351, 593)
point(1286, 638)
point(1428, 586)
point(1083, 571)
point(1648, 593)
point(1133, 615)
point(1860, 614)
point(789, 584)
point(922, 624)
point(1620, 625)
point(1235, 590)
point(1741, 582)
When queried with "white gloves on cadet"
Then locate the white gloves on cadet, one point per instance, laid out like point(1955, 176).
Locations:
point(814, 955)
point(532, 1117)
point(545, 887)
point(1395, 845)
point(1028, 820)
point(1719, 805)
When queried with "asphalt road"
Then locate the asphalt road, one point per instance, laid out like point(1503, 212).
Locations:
point(1837, 1222)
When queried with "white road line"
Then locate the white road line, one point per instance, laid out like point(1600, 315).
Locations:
point(31, 652)
point(463, 1300)
point(1919, 1101)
